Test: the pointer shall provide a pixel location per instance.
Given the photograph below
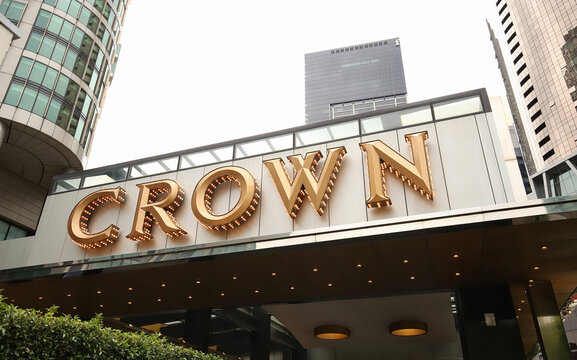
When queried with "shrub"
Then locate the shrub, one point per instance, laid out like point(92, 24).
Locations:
point(31, 334)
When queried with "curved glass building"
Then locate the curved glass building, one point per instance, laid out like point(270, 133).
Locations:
point(53, 81)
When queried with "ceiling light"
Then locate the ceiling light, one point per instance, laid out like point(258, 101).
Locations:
point(405, 261)
point(198, 281)
point(330, 284)
point(359, 266)
point(221, 294)
point(129, 289)
point(40, 298)
point(101, 305)
point(412, 278)
point(234, 278)
point(130, 303)
point(455, 256)
point(273, 274)
point(544, 248)
point(292, 287)
point(315, 269)
point(332, 332)
point(99, 292)
point(74, 308)
point(408, 328)
point(256, 291)
point(69, 295)
point(159, 299)
point(536, 267)
point(370, 281)
point(457, 274)
point(163, 285)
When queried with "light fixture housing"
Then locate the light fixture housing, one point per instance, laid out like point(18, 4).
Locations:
point(408, 328)
point(332, 332)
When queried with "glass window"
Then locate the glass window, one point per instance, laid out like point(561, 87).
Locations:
point(4, 226)
point(37, 73)
point(49, 78)
point(53, 110)
point(79, 66)
point(15, 232)
point(63, 116)
point(24, 67)
point(264, 146)
point(42, 19)
point(34, 42)
point(206, 157)
point(77, 38)
point(327, 133)
point(62, 85)
point(79, 129)
point(458, 107)
point(47, 47)
point(67, 184)
point(67, 28)
point(84, 16)
point(70, 59)
point(13, 94)
point(74, 8)
point(50, 2)
point(63, 5)
point(55, 24)
point(397, 119)
point(563, 182)
point(13, 10)
point(58, 53)
point(40, 104)
point(27, 100)
point(154, 167)
point(71, 92)
point(106, 177)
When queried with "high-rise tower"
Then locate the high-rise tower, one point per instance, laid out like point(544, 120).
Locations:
point(540, 43)
point(354, 79)
point(53, 80)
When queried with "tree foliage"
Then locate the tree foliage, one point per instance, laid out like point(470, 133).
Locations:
point(31, 334)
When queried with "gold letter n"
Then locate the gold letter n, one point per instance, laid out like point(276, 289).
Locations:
point(416, 174)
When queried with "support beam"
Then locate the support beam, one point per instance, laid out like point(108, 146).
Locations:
point(260, 349)
point(550, 330)
point(197, 328)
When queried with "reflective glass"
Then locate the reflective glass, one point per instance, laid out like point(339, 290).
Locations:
point(62, 85)
point(4, 226)
point(15, 11)
point(40, 104)
point(34, 42)
point(47, 47)
point(55, 24)
point(106, 177)
point(154, 167)
point(327, 133)
point(79, 129)
point(63, 5)
point(74, 8)
point(24, 67)
point(67, 184)
point(13, 94)
point(37, 73)
point(42, 19)
point(67, 29)
point(264, 146)
point(84, 16)
point(70, 59)
point(53, 110)
point(15, 232)
point(58, 53)
point(77, 37)
point(206, 157)
point(457, 107)
point(397, 119)
point(49, 78)
point(27, 100)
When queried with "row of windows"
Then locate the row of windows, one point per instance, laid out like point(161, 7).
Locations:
point(10, 231)
point(82, 13)
point(70, 47)
point(42, 90)
point(13, 10)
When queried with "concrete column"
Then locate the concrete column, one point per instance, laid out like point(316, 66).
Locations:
point(3, 132)
point(548, 323)
point(488, 326)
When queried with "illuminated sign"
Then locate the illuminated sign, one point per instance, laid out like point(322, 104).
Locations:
point(158, 200)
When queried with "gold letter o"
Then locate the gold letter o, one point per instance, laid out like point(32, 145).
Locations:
point(242, 211)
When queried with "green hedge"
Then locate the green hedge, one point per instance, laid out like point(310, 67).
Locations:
point(31, 334)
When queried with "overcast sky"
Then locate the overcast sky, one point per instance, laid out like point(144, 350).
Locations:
point(193, 73)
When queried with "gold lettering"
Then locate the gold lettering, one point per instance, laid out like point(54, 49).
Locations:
point(381, 157)
point(242, 211)
point(79, 220)
point(150, 207)
point(305, 182)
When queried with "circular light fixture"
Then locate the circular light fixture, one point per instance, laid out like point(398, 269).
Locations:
point(408, 328)
point(332, 332)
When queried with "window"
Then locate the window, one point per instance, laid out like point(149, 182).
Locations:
point(540, 128)
point(532, 103)
point(544, 141)
point(536, 115)
point(10, 231)
point(548, 154)
point(528, 91)
point(563, 181)
point(13, 10)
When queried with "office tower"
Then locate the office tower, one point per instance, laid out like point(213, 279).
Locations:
point(539, 41)
point(353, 80)
point(53, 81)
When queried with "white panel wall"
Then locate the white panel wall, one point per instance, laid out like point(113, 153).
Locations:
point(466, 169)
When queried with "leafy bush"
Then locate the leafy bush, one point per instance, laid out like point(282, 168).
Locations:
point(31, 334)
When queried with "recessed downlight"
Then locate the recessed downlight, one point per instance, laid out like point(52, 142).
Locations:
point(332, 332)
point(456, 256)
point(405, 261)
point(408, 328)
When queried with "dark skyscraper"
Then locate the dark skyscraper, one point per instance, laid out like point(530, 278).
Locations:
point(354, 79)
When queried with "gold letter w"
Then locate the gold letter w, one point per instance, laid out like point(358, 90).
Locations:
point(305, 181)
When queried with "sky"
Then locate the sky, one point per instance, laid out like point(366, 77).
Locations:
point(195, 73)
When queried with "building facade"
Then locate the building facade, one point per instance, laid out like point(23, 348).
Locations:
point(354, 79)
point(317, 242)
point(538, 41)
point(53, 81)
